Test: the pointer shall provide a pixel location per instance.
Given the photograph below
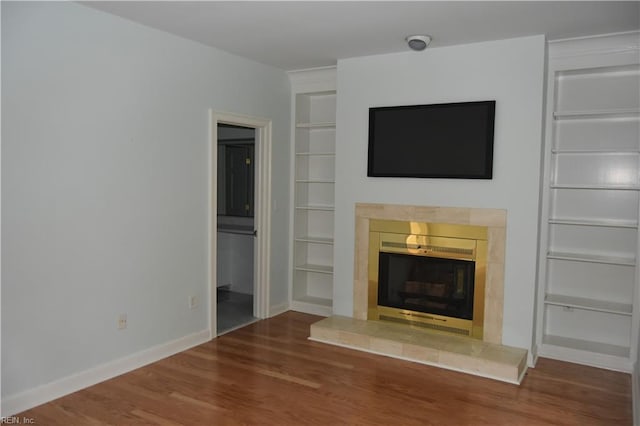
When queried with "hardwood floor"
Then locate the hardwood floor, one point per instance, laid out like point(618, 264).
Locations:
point(269, 374)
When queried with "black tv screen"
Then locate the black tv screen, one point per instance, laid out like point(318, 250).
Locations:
point(452, 140)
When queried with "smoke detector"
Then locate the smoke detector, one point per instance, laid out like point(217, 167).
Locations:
point(418, 42)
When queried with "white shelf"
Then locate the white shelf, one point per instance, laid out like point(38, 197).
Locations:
point(321, 269)
point(608, 223)
point(589, 304)
point(587, 346)
point(315, 240)
point(605, 113)
point(589, 235)
point(317, 208)
point(600, 71)
point(324, 125)
point(313, 184)
point(595, 151)
point(600, 187)
point(593, 258)
point(317, 154)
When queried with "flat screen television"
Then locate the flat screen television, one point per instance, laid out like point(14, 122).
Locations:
point(452, 140)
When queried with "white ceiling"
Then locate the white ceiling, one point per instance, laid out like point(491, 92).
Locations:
point(296, 35)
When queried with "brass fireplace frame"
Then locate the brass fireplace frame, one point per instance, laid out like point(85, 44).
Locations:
point(442, 240)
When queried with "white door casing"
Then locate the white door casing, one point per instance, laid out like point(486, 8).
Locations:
point(262, 211)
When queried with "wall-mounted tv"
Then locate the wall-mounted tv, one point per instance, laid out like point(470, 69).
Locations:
point(452, 140)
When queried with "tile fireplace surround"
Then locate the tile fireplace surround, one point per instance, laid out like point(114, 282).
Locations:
point(486, 357)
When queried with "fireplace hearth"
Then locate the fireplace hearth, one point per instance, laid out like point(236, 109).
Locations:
point(485, 356)
point(402, 338)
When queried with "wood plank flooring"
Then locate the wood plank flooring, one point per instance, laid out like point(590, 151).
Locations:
point(268, 373)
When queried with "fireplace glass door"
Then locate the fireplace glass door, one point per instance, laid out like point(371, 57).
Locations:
point(426, 284)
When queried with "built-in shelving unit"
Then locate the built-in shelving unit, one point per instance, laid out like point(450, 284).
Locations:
point(314, 107)
point(589, 245)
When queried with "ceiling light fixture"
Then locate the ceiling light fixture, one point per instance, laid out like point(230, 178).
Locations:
point(418, 42)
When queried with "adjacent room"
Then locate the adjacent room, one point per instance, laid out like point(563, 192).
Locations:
point(294, 212)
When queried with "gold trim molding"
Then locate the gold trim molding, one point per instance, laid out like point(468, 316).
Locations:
point(493, 219)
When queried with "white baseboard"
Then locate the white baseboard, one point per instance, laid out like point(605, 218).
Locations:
point(278, 309)
point(635, 393)
point(311, 308)
point(532, 356)
point(592, 359)
point(22, 401)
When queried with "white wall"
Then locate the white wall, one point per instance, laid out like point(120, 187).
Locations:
point(105, 184)
point(509, 71)
point(635, 386)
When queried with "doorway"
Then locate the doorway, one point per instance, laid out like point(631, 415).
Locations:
point(240, 176)
point(235, 230)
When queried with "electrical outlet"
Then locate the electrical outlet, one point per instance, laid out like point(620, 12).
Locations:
point(122, 321)
point(193, 302)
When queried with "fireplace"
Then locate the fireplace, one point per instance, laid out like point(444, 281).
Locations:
point(436, 234)
point(428, 274)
